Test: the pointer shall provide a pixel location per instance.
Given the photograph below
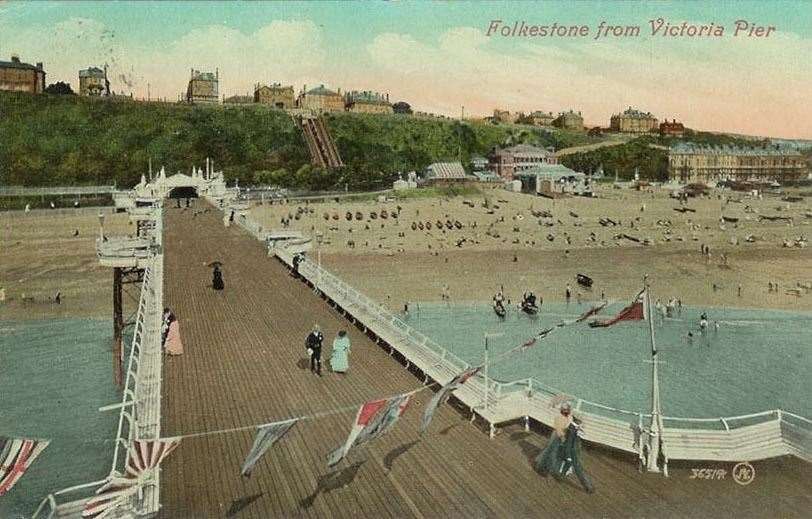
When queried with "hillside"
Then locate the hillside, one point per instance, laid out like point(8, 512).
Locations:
point(67, 140)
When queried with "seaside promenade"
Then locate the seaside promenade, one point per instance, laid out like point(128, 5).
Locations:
point(244, 363)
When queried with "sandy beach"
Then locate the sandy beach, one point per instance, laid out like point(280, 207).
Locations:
point(502, 243)
point(39, 255)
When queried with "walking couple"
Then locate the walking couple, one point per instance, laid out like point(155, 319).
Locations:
point(563, 451)
point(339, 357)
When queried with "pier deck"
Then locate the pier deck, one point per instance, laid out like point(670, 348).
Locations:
point(245, 364)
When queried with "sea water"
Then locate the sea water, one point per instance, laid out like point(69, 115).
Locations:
point(54, 376)
point(758, 360)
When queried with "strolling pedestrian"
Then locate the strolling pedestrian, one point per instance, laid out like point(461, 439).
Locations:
point(217, 278)
point(313, 343)
point(568, 293)
point(549, 460)
point(340, 356)
point(174, 344)
point(570, 454)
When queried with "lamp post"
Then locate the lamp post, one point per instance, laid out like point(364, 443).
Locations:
point(319, 239)
point(101, 225)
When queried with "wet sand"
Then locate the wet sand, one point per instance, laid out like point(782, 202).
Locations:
point(39, 256)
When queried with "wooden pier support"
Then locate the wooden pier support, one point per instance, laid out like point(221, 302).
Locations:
point(118, 328)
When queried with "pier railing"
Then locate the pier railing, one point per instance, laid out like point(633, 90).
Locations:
point(737, 438)
point(140, 407)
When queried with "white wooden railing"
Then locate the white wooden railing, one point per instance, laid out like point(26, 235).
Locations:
point(140, 407)
point(737, 438)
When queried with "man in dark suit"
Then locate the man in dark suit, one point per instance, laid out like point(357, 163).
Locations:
point(313, 343)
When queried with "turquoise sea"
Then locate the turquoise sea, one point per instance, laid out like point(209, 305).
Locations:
point(757, 360)
point(54, 376)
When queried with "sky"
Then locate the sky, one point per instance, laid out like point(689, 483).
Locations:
point(437, 55)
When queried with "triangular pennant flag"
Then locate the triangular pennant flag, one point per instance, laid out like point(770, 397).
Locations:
point(112, 495)
point(16, 455)
point(384, 420)
point(365, 414)
point(633, 312)
point(267, 435)
point(589, 313)
point(443, 394)
point(145, 455)
point(373, 420)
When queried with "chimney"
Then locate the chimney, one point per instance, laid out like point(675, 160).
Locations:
point(339, 91)
point(217, 73)
point(39, 65)
point(15, 58)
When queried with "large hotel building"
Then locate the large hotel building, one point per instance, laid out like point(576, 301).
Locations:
point(694, 163)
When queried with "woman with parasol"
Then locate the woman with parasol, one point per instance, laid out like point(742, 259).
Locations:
point(217, 276)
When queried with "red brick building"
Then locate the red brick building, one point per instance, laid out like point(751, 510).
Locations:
point(508, 162)
point(16, 76)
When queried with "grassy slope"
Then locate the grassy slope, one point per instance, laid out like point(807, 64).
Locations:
point(67, 140)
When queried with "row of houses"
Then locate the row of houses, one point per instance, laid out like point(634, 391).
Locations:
point(691, 163)
point(631, 121)
point(204, 88)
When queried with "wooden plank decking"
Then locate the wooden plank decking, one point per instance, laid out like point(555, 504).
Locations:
point(244, 364)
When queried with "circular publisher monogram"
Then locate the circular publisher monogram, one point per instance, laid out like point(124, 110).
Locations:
point(744, 473)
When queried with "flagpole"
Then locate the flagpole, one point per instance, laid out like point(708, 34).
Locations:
point(485, 367)
point(655, 428)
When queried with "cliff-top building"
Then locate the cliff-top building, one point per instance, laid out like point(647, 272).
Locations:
point(321, 99)
point(570, 120)
point(539, 118)
point(367, 102)
point(93, 82)
point(504, 116)
point(511, 161)
point(16, 76)
point(672, 129)
point(695, 163)
point(203, 87)
point(633, 121)
point(276, 95)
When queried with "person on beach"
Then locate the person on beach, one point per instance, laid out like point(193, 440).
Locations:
point(549, 461)
point(703, 322)
point(568, 293)
point(499, 300)
point(340, 356)
point(313, 343)
point(570, 454)
point(217, 278)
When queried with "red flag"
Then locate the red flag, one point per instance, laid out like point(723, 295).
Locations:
point(374, 419)
point(634, 312)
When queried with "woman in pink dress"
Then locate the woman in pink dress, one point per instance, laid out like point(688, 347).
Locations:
point(174, 346)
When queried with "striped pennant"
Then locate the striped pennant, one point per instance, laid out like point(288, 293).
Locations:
point(145, 455)
point(16, 455)
point(143, 458)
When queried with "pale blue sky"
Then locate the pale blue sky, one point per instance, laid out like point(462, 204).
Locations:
point(417, 51)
